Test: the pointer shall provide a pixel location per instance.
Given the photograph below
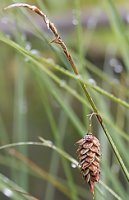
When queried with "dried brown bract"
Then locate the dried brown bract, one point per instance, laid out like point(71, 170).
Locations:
point(89, 158)
point(51, 27)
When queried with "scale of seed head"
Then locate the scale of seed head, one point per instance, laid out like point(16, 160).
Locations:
point(89, 158)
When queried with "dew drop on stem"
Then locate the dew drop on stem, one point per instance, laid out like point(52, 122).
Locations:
point(62, 83)
point(75, 22)
point(7, 192)
point(73, 165)
point(23, 107)
point(49, 142)
point(35, 52)
point(118, 69)
point(28, 46)
point(116, 65)
point(78, 76)
point(50, 60)
point(127, 18)
point(92, 81)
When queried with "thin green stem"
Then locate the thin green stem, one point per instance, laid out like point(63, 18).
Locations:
point(57, 137)
point(110, 190)
point(49, 144)
point(43, 142)
point(58, 40)
point(90, 100)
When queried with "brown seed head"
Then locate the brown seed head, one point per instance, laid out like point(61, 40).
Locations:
point(89, 159)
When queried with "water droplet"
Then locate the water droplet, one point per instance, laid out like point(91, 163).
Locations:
point(35, 52)
point(127, 18)
point(78, 76)
point(92, 81)
point(50, 60)
point(117, 67)
point(7, 192)
point(23, 107)
point(75, 22)
point(62, 83)
point(113, 62)
point(74, 165)
point(28, 46)
point(49, 142)
point(75, 17)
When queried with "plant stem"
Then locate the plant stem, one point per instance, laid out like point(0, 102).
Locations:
point(42, 173)
point(43, 142)
point(59, 41)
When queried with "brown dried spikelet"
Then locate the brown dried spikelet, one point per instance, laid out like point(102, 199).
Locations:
point(89, 158)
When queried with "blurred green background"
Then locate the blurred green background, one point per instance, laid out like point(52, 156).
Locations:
point(37, 99)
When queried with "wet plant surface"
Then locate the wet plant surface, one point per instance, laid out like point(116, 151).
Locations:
point(50, 84)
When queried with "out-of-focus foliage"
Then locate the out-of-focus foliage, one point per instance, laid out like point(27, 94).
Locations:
point(39, 98)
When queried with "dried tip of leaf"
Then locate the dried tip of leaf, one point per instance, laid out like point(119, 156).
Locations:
point(21, 5)
point(16, 5)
